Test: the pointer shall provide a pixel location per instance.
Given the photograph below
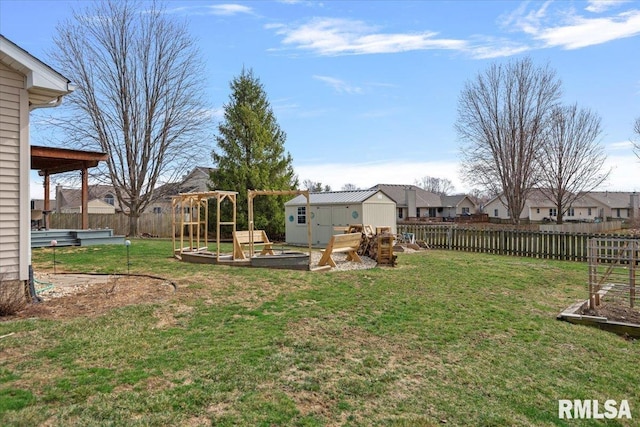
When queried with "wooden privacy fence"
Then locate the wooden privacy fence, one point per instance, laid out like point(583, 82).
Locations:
point(154, 224)
point(526, 243)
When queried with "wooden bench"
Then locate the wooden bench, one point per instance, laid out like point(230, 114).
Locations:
point(241, 238)
point(348, 243)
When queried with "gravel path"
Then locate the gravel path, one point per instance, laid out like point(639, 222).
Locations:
point(341, 262)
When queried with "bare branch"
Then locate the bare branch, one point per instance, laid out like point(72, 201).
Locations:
point(139, 92)
point(636, 143)
point(571, 160)
point(441, 186)
point(502, 114)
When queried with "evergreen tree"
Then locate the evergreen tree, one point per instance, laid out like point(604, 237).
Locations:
point(250, 155)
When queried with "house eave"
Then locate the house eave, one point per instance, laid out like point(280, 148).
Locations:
point(44, 85)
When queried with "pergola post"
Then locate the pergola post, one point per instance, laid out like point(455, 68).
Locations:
point(85, 197)
point(47, 200)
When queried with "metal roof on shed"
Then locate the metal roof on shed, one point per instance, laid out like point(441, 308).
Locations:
point(333, 197)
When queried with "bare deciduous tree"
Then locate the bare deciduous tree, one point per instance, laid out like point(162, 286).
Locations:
point(636, 144)
point(314, 186)
point(502, 114)
point(349, 187)
point(139, 82)
point(441, 186)
point(571, 160)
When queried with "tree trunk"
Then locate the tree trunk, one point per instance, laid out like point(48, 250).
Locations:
point(133, 224)
point(559, 213)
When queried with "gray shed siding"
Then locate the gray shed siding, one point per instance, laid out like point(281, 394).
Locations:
point(14, 158)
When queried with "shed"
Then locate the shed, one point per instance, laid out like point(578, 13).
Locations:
point(26, 84)
point(336, 209)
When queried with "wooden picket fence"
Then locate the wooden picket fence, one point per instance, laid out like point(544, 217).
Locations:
point(524, 243)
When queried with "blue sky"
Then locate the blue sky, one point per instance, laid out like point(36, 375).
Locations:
point(367, 90)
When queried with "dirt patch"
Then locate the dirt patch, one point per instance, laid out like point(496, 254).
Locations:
point(86, 295)
point(615, 312)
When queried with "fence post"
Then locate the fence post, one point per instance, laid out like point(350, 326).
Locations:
point(593, 261)
point(633, 259)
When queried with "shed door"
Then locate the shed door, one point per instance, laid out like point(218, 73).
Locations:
point(322, 227)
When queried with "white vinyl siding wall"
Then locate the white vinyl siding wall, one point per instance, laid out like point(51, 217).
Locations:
point(12, 159)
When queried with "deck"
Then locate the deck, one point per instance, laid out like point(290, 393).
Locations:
point(43, 238)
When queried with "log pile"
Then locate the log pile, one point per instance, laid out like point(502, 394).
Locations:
point(369, 247)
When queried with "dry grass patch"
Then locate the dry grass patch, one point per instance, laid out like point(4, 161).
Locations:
point(171, 315)
point(333, 367)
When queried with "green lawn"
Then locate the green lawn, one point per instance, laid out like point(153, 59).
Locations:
point(444, 338)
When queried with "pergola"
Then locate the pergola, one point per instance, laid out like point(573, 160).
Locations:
point(49, 161)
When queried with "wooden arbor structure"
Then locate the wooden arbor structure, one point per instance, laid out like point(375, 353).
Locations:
point(191, 213)
point(252, 194)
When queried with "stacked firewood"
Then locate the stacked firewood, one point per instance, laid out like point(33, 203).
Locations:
point(369, 247)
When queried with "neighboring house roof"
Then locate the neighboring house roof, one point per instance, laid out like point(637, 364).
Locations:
point(538, 199)
point(72, 197)
point(397, 192)
point(45, 85)
point(196, 181)
point(454, 200)
point(333, 197)
point(612, 199)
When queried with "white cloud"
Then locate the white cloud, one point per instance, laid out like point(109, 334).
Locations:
point(567, 29)
point(333, 36)
point(229, 9)
point(582, 32)
point(625, 173)
point(490, 49)
point(340, 86)
point(622, 145)
point(597, 6)
point(215, 113)
point(523, 20)
point(551, 24)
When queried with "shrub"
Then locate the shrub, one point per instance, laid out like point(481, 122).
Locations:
point(12, 296)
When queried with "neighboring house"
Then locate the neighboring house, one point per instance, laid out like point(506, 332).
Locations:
point(102, 199)
point(26, 83)
point(541, 208)
point(457, 205)
point(415, 202)
point(412, 201)
point(94, 206)
point(38, 204)
point(497, 208)
point(196, 181)
point(336, 209)
point(616, 204)
point(589, 207)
